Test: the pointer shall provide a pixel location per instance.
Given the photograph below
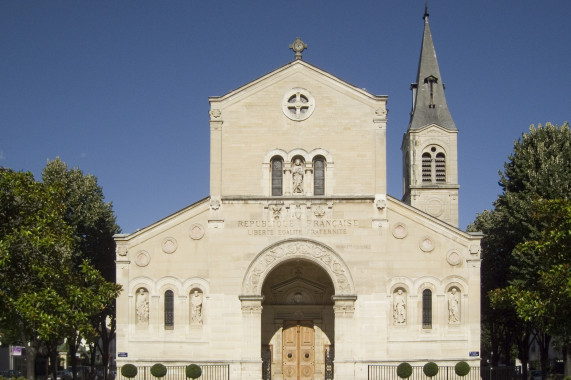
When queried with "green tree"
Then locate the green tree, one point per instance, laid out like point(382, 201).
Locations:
point(35, 244)
point(542, 294)
point(537, 168)
point(93, 224)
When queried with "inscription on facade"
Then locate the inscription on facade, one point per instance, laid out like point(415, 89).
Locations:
point(256, 227)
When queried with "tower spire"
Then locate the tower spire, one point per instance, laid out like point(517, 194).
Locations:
point(430, 162)
point(429, 102)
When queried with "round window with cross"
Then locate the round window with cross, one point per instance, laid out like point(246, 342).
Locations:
point(298, 104)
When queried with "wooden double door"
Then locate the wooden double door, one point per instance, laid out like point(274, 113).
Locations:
point(298, 351)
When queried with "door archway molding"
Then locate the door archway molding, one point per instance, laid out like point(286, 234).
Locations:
point(303, 249)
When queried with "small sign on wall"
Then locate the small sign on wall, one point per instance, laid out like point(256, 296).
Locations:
point(474, 353)
point(122, 354)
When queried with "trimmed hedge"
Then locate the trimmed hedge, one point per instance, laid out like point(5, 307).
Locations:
point(193, 371)
point(158, 370)
point(129, 371)
point(430, 369)
point(404, 370)
point(462, 369)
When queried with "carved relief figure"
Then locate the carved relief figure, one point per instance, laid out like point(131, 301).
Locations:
point(142, 306)
point(297, 176)
point(399, 307)
point(453, 306)
point(196, 308)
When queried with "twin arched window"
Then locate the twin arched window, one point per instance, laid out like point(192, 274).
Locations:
point(298, 175)
point(433, 166)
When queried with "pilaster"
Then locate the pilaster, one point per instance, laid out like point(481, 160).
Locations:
point(215, 152)
point(252, 337)
point(344, 309)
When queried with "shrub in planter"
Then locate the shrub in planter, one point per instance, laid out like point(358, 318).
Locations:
point(193, 371)
point(158, 370)
point(430, 369)
point(462, 369)
point(129, 371)
point(404, 370)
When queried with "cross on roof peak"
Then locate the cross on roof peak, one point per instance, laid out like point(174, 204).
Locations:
point(298, 46)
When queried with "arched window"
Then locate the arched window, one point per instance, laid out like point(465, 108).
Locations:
point(426, 309)
point(426, 167)
point(319, 176)
point(277, 176)
point(434, 165)
point(440, 166)
point(169, 310)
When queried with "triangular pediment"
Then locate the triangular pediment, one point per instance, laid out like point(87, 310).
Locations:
point(192, 214)
point(301, 69)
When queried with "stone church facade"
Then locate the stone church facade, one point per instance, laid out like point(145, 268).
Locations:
point(299, 265)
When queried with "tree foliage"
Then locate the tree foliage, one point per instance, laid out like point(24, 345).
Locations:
point(56, 245)
point(93, 225)
point(91, 218)
point(538, 169)
point(35, 244)
point(541, 295)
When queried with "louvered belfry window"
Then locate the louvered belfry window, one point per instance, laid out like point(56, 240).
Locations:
point(169, 310)
point(427, 309)
point(426, 167)
point(277, 177)
point(319, 176)
point(440, 167)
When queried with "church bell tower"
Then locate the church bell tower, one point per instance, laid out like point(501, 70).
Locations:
point(429, 147)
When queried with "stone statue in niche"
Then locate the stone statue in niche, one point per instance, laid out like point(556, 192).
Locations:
point(399, 307)
point(196, 308)
point(453, 306)
point(297, 176)
point(142, 306)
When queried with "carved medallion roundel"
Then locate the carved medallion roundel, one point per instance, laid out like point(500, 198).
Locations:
point(169, 245)
point(143, 258)
point(400, 231)
point(453, 257)
point(196, 231)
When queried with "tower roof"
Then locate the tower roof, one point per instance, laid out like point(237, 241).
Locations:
point(429, 100)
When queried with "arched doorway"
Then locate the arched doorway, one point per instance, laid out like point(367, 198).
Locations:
point(297, 322)
point(331, 270)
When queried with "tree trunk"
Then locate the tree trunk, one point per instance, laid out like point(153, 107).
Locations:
point(72, 347)
point(524, 344)
point(544, 340)
point(495, 344)
point(567, 356)
point(53, 354)
point(31, 352)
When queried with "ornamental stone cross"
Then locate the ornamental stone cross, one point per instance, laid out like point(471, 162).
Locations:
point(298, 46)
point(298, 104)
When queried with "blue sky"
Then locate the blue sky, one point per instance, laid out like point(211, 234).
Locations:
point(120, 88)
